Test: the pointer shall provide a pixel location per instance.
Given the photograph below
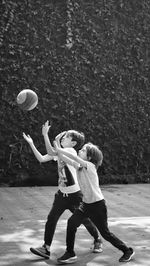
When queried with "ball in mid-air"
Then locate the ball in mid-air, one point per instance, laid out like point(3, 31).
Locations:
point(27, 100)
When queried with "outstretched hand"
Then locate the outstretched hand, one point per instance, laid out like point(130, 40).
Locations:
point(27, 138)
point(45, 128)
point(60, 135)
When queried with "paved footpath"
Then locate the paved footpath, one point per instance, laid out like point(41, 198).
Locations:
point(23, 213)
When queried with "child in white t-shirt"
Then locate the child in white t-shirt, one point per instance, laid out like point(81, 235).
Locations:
point(93, 206)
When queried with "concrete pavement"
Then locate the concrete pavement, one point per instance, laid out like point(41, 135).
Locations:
point(23, 212)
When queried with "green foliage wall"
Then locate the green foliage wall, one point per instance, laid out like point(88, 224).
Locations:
point(88, 61)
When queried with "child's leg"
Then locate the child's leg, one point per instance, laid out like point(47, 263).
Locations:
point(98, 214)
point(91, 228)
point(59, 206)
point(73, 223)
point(75, 202)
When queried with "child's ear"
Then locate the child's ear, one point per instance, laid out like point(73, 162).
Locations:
point(74, 142)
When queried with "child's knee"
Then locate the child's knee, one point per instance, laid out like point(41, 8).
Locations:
point(72, 222)
point(106, 234)
point(53, 217)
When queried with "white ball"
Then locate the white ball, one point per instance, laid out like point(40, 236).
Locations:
point(27, 100)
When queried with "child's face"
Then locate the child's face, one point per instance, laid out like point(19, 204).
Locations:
point(66, 141)
point(83, 153)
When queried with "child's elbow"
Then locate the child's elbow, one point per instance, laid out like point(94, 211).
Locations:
point(41, 160)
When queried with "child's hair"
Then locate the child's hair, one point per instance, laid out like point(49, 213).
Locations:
point(77, 136)
point(94, 154)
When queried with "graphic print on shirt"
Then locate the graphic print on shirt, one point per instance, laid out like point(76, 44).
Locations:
point(65, 176)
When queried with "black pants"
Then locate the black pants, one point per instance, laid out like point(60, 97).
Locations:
point(97, 212)
point(61, 203)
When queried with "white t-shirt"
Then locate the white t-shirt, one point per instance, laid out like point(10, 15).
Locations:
point(89, 183)
point(67, 182)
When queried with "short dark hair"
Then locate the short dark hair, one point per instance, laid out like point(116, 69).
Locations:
point(77, 136)
point(94, 154)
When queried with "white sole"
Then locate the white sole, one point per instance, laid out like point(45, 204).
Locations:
point(69, 261)
point(97, 251)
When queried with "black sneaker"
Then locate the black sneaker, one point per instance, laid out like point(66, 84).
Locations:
point(97, 246)
point(67, 258)
point(41, 251)
point(127, 255)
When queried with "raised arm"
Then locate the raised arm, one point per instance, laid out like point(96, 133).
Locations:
point(63, 153)
point(59, 137)
point(50, 149)
point(41, 158)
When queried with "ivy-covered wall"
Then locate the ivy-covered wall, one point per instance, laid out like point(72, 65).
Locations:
point(89, 63)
